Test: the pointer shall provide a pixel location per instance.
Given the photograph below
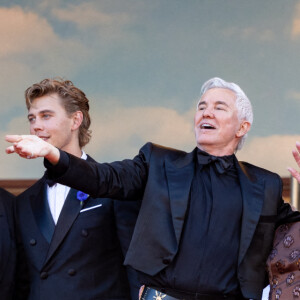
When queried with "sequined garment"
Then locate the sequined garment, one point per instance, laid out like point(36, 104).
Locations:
point(284, 263)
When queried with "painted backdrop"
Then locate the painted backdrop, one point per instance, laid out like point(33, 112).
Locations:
point(142, 63)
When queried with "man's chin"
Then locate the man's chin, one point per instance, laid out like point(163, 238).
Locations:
point(50, 142)
point(203, 142)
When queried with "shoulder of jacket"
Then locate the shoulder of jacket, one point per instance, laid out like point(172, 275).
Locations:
point(157, 149)
point(30, 190)
point(258, 170)
point(161, 148)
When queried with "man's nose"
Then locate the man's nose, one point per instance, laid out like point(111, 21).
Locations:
point(37, 125)
point(207, 112)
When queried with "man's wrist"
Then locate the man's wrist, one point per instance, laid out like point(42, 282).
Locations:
point(57, 170)
point(53, 156)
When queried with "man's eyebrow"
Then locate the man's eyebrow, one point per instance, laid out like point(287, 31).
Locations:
point(217, 102)
point(221, 102)
point(201, 102)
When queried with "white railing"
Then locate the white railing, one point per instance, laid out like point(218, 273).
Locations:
point(295, 190)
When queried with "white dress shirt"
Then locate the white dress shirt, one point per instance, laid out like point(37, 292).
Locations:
point(266, 291)
point(57, 195)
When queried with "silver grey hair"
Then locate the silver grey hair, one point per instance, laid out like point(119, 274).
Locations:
point(243, 104)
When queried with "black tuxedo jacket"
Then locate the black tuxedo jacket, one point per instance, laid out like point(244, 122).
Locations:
point(7, 245)
point(163, 178)
point(83, 259)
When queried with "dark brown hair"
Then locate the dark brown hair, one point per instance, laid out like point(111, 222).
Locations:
point(72, 99)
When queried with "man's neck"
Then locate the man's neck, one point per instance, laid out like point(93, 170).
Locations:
point(216, 151)
point(76, 151)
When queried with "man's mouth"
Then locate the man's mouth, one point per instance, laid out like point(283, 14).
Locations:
point(45, 138)
point(206, 126)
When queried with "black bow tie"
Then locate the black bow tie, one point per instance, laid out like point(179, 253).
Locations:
point(221, 163)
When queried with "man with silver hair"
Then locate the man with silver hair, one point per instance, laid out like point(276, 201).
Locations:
point(206, 224)
point(243, 104)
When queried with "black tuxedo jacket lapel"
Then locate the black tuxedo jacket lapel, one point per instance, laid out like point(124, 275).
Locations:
point(68, 215)
point(179, 176)
point(43, 218)
point(253, 198)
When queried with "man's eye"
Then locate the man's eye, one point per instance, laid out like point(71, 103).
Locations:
point(46, 116)
point(201, 108)
point(31, 120)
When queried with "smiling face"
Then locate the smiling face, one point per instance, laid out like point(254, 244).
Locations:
point(49, 120)
point(217, 127)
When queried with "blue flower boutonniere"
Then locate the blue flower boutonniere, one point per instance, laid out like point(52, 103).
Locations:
point(81, 196)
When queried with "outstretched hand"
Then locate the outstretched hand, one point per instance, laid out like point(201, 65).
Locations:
point(31, 146)
point(296, 154)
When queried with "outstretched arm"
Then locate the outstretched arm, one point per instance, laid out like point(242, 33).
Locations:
point(31, 146)
point(119, 180)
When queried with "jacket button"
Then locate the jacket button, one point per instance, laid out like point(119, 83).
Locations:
point(32, 242)
point(84, 233)
point(44, 275)
point(166, 261)
point(71, 272)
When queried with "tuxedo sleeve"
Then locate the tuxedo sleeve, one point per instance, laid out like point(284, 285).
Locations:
point(123, 180)
point(285, 213)
point(60, 168)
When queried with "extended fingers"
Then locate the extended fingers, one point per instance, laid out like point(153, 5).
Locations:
point(16, 138)
point(21, 148)
point(295, 174)
point(26, 146)
point(296, 156)
point(10, 150)
point(13, 138)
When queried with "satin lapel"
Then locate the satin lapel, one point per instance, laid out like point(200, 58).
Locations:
point(179, 175)
point(69, 213)
point(253, 197)
point(41, 211)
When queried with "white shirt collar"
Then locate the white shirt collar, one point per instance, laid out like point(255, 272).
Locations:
point(57, 195)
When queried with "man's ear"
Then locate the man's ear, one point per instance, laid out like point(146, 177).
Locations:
point(77, 119)
point(244, 128)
